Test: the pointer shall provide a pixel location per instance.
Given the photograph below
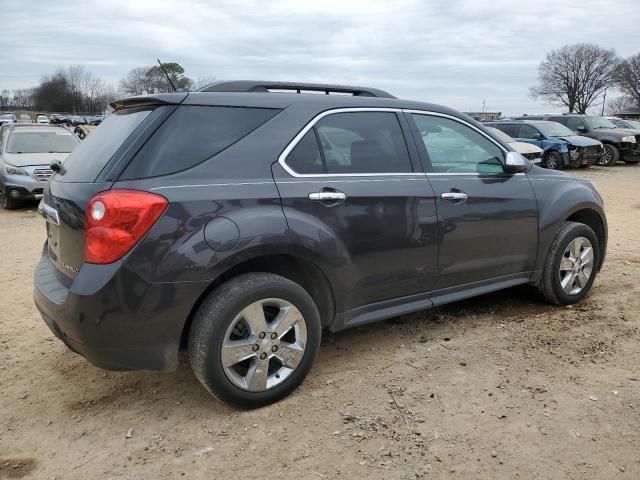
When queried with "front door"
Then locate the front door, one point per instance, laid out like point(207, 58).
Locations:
point(488, 218)
point(356, 203)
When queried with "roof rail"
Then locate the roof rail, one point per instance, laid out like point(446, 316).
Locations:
point(263, 86)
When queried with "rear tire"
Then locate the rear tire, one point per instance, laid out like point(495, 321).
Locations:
point(611, 155)
point(250, 359)
point(571, 265)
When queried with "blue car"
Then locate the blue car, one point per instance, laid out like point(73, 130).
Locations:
point(562, 147)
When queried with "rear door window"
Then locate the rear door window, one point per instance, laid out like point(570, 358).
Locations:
point(305, 158)
point(191, 135)
point(89, 158)
point(362, 143)
point(509, 129)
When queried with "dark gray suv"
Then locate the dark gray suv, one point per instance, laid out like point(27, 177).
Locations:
point(238, 221)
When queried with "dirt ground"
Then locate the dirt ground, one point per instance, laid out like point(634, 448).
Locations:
point(496, 387)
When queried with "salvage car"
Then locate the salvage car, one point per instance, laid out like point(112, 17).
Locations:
point(238, 221)
point(531, 152)
point(26, 152)
point(619, 144)
point(562, 148)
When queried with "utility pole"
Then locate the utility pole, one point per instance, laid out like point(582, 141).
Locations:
point(604, 101)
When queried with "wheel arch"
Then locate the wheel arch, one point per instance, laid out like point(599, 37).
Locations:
point(298, 269)
point(591, 218)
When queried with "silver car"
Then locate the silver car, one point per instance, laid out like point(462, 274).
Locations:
point(26, 153)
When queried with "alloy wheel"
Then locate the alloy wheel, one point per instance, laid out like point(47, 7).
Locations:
point(264, 344)
point(576, 266)
point(552, 161)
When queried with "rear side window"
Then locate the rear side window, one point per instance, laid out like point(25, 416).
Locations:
point(363, 142)
point(89, 158)
point(191, 135)
point(305, 158)
point(528, 132)
point(509, 129)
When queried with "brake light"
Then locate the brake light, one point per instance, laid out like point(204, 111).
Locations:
point(116, 220)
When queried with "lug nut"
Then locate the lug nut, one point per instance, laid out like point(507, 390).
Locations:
point(263, 356)
point(255, 348)
point(274, 348)
point(274, 335)
point(262, 335)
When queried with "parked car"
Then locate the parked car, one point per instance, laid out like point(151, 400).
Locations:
point(531, 152)
point(26, 151)
point(562, 148)
point(59, 119)
point(41, 118)
point(12, 115)
point(7, 118)
point(619, 144)
point(624, 123)
point(302, 211)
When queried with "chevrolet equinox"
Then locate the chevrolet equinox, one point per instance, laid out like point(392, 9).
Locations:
point(238, 221)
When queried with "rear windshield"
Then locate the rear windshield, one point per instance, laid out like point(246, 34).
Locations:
point(49, 141)
point(191, 135)
point(90, 157)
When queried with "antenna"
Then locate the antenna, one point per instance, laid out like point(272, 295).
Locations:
point(167, 75)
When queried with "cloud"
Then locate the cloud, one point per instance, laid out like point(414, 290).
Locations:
point(455, 52)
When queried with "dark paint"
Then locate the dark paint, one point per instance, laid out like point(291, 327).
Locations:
point(392, 247)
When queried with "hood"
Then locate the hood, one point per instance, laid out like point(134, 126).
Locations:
point(613, 132)
point(32, 159)
point(522, 147)
point(580, 141)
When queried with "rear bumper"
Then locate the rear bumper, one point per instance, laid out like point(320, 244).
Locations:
point(112, 317)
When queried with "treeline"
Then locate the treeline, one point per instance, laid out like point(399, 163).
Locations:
point(578, 76)
point(76, 90)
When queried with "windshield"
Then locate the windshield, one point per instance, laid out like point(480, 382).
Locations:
point(552, 129)
point(501, 135)
point(6, 117)
point(599, 122)
point(41, 142)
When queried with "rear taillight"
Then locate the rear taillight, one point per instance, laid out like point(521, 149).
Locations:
point(116, 220)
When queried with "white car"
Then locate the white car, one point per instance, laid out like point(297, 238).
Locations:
point(528, 151)
point(42, 119)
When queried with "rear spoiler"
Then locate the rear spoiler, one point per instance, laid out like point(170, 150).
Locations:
point(149, 100)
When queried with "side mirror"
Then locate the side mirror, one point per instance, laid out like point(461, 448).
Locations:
point(515, 163)
point(537, 136)
point(581, 128)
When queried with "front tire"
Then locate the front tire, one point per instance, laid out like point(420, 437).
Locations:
point(6, 202)
point(611, 155)
point(254, 339)
point(571, 265)
point(553, 160)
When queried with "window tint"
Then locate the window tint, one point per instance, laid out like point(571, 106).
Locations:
point(529, 132)
point(562, 120)
point(89, 158)
point(306, 157)
point(455, 148)
point(509, 129)
point(363, 142)
point(191, 135)
point(573, 123)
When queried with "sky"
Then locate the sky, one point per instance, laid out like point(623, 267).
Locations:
point(459, 53)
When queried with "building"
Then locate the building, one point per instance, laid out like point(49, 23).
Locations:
point(629, 113)
point(483, 116)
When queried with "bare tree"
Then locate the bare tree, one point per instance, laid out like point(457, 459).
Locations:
point(618, 104)
point(136, 82)
point(575, 76)
point(203, 81)
point(628, 78)
point(23, 99)
point(5, 100)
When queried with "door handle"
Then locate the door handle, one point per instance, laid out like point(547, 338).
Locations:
point(454, 196)
point(327, 196)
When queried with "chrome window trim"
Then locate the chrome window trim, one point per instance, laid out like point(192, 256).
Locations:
point(317, 118)
point(311, 124)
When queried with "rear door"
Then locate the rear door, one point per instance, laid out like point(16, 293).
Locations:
point(488, 218)
point(352, 195)
point(529, 134)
